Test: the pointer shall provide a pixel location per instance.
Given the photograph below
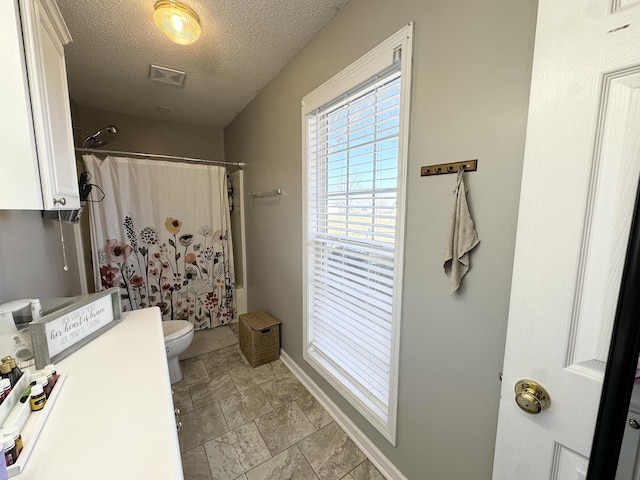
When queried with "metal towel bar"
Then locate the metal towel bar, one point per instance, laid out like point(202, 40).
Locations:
point(275, 191)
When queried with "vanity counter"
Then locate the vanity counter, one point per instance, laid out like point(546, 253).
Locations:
point(114, 416)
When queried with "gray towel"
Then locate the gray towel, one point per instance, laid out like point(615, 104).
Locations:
point(461, 236)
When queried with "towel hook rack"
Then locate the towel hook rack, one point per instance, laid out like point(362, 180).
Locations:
point(453, 167)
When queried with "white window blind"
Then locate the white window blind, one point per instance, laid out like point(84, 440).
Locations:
point(355, 178)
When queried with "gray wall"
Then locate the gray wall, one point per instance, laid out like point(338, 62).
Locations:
point(31, 263)
point(141, 134)
point(146, 135)
point(472, 66)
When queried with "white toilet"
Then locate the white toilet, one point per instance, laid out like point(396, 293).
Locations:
point(178, 335)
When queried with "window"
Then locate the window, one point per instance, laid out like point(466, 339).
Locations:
point(355, 136)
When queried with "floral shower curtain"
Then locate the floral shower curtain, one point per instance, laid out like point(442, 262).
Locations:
point(162, 235)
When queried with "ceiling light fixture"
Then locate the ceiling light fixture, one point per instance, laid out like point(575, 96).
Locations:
point(177, 21)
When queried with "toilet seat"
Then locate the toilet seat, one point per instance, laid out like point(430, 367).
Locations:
point(174, 329)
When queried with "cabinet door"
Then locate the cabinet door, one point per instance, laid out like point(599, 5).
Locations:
point(44, 35)
point(19, 174)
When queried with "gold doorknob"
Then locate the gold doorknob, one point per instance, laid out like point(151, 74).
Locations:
point(531, 396)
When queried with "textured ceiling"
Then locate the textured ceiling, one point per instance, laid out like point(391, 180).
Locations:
point(244, 44)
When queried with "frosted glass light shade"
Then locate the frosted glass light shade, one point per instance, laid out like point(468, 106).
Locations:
point(177, 21)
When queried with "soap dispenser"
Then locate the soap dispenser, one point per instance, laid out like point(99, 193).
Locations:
point(36, 309)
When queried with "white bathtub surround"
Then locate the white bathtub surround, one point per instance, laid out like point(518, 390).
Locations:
point(241, 301)
point(114, 416)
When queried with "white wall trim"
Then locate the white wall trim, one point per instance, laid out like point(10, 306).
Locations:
point(370, 64)
point(82, 268)
point(241, 290)
point(243, 230)
point(373, 453)
point(241, 302)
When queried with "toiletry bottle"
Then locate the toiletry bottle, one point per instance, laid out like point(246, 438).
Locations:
point(36, 309)
point(12, 375)
point(3, 395)
point(40, 379)
point(14, 433)
point(16, 373)
point(5, 372)
point(38, 398)
point(10, 451)
point(43, 381)
point(26, 394)
point(49, 374)
point(51, 368)
point(5, 389)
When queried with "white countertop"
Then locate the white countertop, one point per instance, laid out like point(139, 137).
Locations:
point(114, 415)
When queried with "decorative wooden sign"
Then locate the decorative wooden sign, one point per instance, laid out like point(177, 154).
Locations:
point(63, 332)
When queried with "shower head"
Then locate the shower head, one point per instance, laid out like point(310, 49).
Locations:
point(95, 143)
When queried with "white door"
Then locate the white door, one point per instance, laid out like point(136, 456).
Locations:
point(581, 171)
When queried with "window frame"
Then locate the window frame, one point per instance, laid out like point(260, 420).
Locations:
point(374, 62)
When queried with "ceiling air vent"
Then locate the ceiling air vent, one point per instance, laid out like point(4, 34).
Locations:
point(167, 75)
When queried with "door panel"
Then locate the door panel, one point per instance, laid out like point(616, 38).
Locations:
point(568, 465)
point(618, 4)
point(616, 172)
point(579, 183)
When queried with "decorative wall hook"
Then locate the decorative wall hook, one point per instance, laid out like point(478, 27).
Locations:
point(453, 167)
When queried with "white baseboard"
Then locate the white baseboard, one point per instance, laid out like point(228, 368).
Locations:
point(373, 453)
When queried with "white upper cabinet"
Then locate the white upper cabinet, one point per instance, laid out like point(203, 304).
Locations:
point(37, 159)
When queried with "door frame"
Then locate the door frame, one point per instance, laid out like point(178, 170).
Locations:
point(621, 364)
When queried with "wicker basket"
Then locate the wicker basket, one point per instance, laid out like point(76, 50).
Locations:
point(259, 338)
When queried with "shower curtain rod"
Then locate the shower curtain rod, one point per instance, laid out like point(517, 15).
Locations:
point(160, 157)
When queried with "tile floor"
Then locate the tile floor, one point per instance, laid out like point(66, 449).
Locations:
point(243, 423)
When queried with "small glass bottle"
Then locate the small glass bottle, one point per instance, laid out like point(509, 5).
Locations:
point(37, 377)
point(26, 393)
point(42, 380)
point(51, 368)
point(36, 309)
point(5, 389)
point(10, 451)
point(5, 372)
point(47, 372)
point(14, 433)
point(15, 370)
point(38, 398)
